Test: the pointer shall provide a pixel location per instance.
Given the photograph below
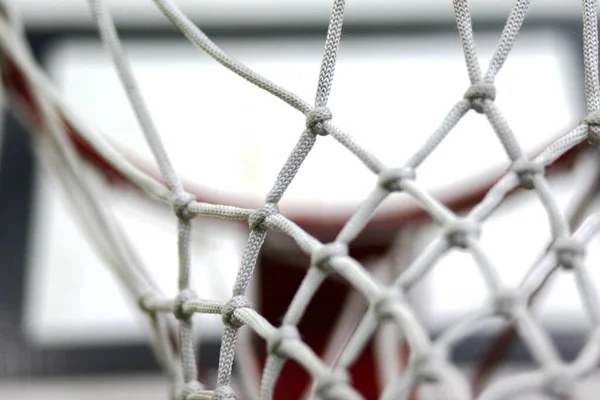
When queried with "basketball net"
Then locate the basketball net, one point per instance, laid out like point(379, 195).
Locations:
point(66, 141)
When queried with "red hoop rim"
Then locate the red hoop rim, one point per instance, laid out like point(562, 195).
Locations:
point(314, 221)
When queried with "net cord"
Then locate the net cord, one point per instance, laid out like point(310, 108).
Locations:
point(85, 197)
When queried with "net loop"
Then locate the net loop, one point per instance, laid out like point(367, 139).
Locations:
point(560, 384)
point(320, 257)
point(333, 385)
point(391, 179)
point(256, 222)
point(459, 232)
point(527, 170)
point(315, 119)
point(224, 393)
point(229, 308)
point(383, 305)
point(178, 306)
point(507, 302)
point(592, 120)
point(283, 334)
point(181, 206)
point(478, 92)
point(569, 252)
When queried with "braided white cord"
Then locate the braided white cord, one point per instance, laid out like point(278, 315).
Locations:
point(507, 38)
point(197, 37)
point(590, 54)
point(108, 239)
point(429, 359)
point(67, 156)
point(110, 38)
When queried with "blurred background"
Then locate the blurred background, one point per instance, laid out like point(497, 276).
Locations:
point(70, 331)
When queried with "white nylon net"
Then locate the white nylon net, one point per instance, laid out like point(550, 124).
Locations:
point(429, 359)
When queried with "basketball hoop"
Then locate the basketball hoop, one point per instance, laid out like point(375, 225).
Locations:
point(332, 241)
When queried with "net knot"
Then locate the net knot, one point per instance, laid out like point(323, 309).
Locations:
point(428, 366)
point(229, 308)
point(386, 302)
point(181, 206)
point(224, 393)
point(315, 119)
point(334, 385)
point(507, 302)
point(184, 391)
point(256, 222)
point(527, 170)
point(460, 231)
point(478, 92)
point(143, 301)
point(560, 384)
point(568, 252)
point(593, 122)
point(283, 334)
point(320, 258)
point(391, 178)
point(180, 300)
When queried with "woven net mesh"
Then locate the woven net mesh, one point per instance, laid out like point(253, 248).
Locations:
point(430, 360)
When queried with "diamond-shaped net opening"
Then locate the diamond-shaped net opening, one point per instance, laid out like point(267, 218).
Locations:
point(68, 136)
